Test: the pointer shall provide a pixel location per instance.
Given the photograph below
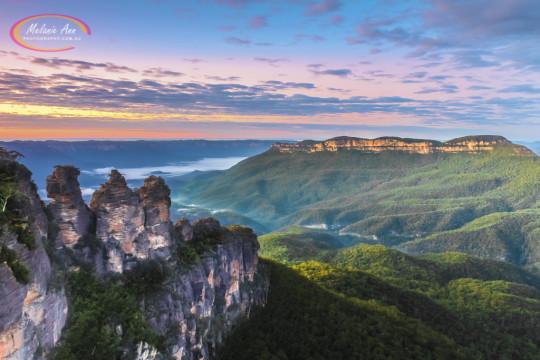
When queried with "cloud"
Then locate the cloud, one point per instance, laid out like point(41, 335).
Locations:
point(257, 22)
point(174, 103)
point(194, 61)
point(339, 90)
point(227, 28)
point(322, 7)
point(393, 99)
point(485, 18)
point(237, 41)
point(88, 92)
point(477, 87)
point(278, 85)
point(355, 41)
point(439, 77)
point(417, 75)
point(317, 38)
point(159, 72)
point(522, 88)
point(447, 89)
point(473, 58)
point(315, 68)
point(81, 65)
point(378, 73)
point(88, 191)
point(466, 29)
point(140, 173)
point(218, 78)
point(22, 71)
point(271, 62)
point(238, 3)
point(5, 53)
point(387, 30)
point(336, 19)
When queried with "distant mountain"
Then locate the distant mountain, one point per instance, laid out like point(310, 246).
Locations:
point(163, 158)
point(469, 144)
point(392, 192)
point(534, 146)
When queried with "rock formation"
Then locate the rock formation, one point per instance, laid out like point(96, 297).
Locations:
point(194, 308)
point(31, 315)
point(184, 229)
point(205, 302)
point(156, 201)
point(120, 219)
point(67, 205)
point(471, 144)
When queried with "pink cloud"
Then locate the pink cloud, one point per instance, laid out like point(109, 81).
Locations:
point(257, 22)
point(336, 19)
point(323, 7)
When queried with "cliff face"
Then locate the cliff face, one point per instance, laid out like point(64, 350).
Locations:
point(130, 225)
point(156, 202)
point(471, 144)
point(197, 304)
point(67, 205)
point(201, 304)
point(31, 315)
point(120, 219)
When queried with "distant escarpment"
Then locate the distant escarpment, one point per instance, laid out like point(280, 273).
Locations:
point(177, 289)
point(470, 144)
point(414, 194)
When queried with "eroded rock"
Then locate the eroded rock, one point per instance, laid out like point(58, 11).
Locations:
point(120, 220)
point(67, 205)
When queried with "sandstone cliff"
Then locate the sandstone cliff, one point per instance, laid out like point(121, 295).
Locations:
point(120, 219)
point(199, 305)
point(471, 144)
point(32, 315)
point(67, 205)
point(213, 277)
point(156, 202)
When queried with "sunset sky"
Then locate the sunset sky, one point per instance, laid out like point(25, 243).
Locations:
point(277, 69)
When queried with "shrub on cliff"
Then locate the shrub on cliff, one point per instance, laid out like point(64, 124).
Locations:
point(18, 268)
point(147, 276)
point(207, 233)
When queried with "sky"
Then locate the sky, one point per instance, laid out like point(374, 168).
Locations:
point(274, 69)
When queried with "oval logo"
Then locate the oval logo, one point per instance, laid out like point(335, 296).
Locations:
point(49, 32)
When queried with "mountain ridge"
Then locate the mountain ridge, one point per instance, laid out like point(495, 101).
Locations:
point(470, 144)
point(387, 197)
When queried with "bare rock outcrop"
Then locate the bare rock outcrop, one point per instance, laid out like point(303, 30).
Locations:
point(204, 302)
point(196, 305)
point(156, 202)
point(67, 205)
point(120, 220)
point(470, 144)
point(184, 229)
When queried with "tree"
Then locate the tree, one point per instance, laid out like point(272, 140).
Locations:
point(9, 155)
point(8, 190)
